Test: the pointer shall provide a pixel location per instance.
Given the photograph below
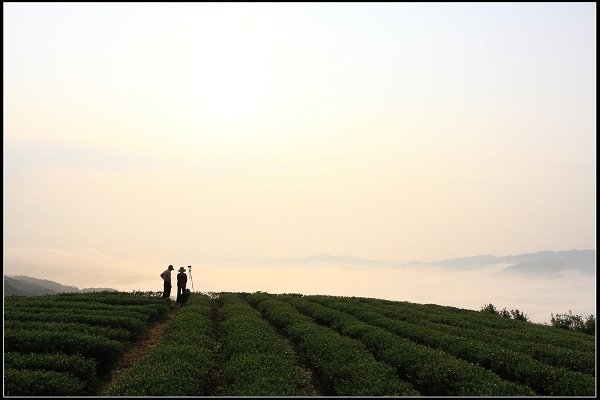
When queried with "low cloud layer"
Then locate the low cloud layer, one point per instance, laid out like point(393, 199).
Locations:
point(80, 268)
point(538, 297)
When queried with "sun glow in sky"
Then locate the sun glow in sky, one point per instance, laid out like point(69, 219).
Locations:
point(159, 133)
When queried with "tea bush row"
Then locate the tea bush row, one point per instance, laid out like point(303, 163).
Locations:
point(181, 363)
point(40, 304)
point(257, 361)
point(104, 351)
point(119, 334)
point(344, 366)
point(24, 382)
point(540, 350)
point(114, 320)
point(477, 321)
point(82, 368)
point(432, 372)
point(544, 379)
point(121, 298)
point(64, 345)
point(76, 310)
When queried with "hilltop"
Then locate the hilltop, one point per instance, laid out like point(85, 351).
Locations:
point(21, 285)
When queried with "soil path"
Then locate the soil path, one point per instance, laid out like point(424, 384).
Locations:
point(138, 349)
point(217, 378)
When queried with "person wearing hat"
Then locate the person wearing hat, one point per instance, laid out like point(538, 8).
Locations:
point(166, 275)
point(181, 282)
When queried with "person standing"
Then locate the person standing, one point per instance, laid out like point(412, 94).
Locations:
point(181, 282)
point(166, 275)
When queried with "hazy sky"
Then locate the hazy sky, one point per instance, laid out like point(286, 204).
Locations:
point(180, 133)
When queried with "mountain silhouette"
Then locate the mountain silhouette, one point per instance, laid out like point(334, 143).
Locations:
point(21, 285)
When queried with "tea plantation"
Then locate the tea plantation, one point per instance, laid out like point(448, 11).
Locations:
point(260, 344)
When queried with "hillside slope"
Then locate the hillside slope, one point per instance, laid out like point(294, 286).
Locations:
point(21, 285)
point(260, 344)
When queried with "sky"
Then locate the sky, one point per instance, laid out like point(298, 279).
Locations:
point(146, 134)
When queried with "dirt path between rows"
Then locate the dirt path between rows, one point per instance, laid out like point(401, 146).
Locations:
point(217, 378)
point(138, 350)
point(311, 385)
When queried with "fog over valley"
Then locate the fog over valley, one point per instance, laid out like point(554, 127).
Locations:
point(469, 282)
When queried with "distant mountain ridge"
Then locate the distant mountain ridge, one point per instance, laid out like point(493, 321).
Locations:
point(540, 263)
point(21, 285)
point(543, 262)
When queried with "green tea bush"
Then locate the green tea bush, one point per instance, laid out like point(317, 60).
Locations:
point(41, 383)
point(477, 322)
point(431, 372)
point(172, 369)
point(119, 334)
point(104, 351)
point(541, 348)
point(76, 365)
point(256, 374)
point(344, 365)
point(134, 325)
point(508, 364)
point(257, 361)
point(181, 363)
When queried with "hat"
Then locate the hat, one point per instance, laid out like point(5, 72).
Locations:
point(171, 267)
point(181, 269)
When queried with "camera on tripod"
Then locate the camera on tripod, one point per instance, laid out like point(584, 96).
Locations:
point(190, 270)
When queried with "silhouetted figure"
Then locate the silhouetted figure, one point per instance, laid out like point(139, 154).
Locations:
point(181, 282)
point(166, 275)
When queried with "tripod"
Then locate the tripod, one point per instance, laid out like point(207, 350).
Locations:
point(190, 270)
